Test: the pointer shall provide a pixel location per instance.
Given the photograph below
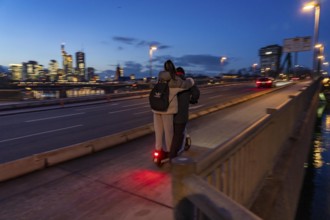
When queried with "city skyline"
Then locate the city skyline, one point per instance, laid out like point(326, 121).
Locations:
point(113, 33)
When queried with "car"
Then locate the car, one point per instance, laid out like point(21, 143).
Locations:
point(265, 82)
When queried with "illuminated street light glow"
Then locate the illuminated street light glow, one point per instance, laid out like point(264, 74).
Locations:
point(151, 49)
point(223, 59)
point(310, 5)
point(317, 8)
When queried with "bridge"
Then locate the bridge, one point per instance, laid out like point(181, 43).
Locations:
point(246, 162)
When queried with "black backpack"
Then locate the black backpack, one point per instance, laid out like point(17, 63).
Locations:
point(159, 96)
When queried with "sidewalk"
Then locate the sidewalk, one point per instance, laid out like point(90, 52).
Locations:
point(122, 182)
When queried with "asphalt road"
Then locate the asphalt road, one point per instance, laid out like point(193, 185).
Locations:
point(25, 134)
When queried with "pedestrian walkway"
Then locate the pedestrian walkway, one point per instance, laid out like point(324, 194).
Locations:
point(122, 182)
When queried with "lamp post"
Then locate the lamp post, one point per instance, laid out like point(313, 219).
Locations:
point(222, 61)
point(151, 49)
point(319, 56)
point(316, 6)
point(254, 66)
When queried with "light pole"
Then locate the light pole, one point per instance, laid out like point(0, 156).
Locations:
point(316, 6)
point(254, 66)
point(151, 49)
point(222, 61)
point(320, 56)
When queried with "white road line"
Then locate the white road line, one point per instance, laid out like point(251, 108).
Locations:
point(36, 134)
point(216, 96)
point(83, 109)
point(196, 106)
point(142, 103)
point(119, 111)
point(61, 116)
point(138, 113)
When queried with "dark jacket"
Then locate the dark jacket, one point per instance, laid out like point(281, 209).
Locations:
point(176, 85)
point(184, 99)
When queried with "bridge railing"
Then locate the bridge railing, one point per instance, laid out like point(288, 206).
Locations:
point(224, 182)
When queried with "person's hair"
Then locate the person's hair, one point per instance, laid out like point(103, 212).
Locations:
point(180, 69)
point(180, 72)
point(169, 66)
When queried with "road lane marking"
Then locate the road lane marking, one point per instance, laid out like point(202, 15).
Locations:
point(82, 109)
point(216, 96)
point(196, 106)
point(55, 117)
point(124, 110)
point(138, 113)
point(142, 103)
point(36, 134)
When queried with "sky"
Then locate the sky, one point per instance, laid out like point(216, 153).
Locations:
point(194, 34)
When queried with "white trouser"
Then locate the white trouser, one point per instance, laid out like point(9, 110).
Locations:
point(163, 125)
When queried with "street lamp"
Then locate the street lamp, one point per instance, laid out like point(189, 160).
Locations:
point(320, 56)
point(151, 49)
point(316, 5)
point(222, 60)
point(254, 66)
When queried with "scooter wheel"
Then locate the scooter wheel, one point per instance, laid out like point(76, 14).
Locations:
point(158, 162)
point(187, 144)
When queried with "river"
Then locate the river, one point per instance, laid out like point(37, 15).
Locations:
point(314, 201)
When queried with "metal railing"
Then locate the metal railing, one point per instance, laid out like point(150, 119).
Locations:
point(224, 182)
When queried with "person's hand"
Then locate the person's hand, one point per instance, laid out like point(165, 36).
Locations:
point(191, 80)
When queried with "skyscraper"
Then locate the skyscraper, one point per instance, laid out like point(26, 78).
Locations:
point(16, 72)
point(67, 62)
point(53, 70)
point(32, 70)
point(80, 65)
point(270, 58)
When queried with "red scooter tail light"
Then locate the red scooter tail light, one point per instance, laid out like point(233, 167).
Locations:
point(156, 154)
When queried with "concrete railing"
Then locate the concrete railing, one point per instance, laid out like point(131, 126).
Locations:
point(225, 182)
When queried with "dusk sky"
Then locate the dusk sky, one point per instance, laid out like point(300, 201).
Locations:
point(195, 34)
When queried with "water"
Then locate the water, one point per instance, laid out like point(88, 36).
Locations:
point(314, 201)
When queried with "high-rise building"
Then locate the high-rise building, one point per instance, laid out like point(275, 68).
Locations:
point(90, 73)
point(16, 72)
point(80, 65)
point(119, 72)
point(32, 70)
point(53, 70)
point(270, 58)
point(67, 61)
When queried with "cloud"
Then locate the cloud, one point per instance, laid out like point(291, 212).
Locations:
point(208, 64)
point(125, 40)
point(195, 64)
point(131, 67)
point(140, 43)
